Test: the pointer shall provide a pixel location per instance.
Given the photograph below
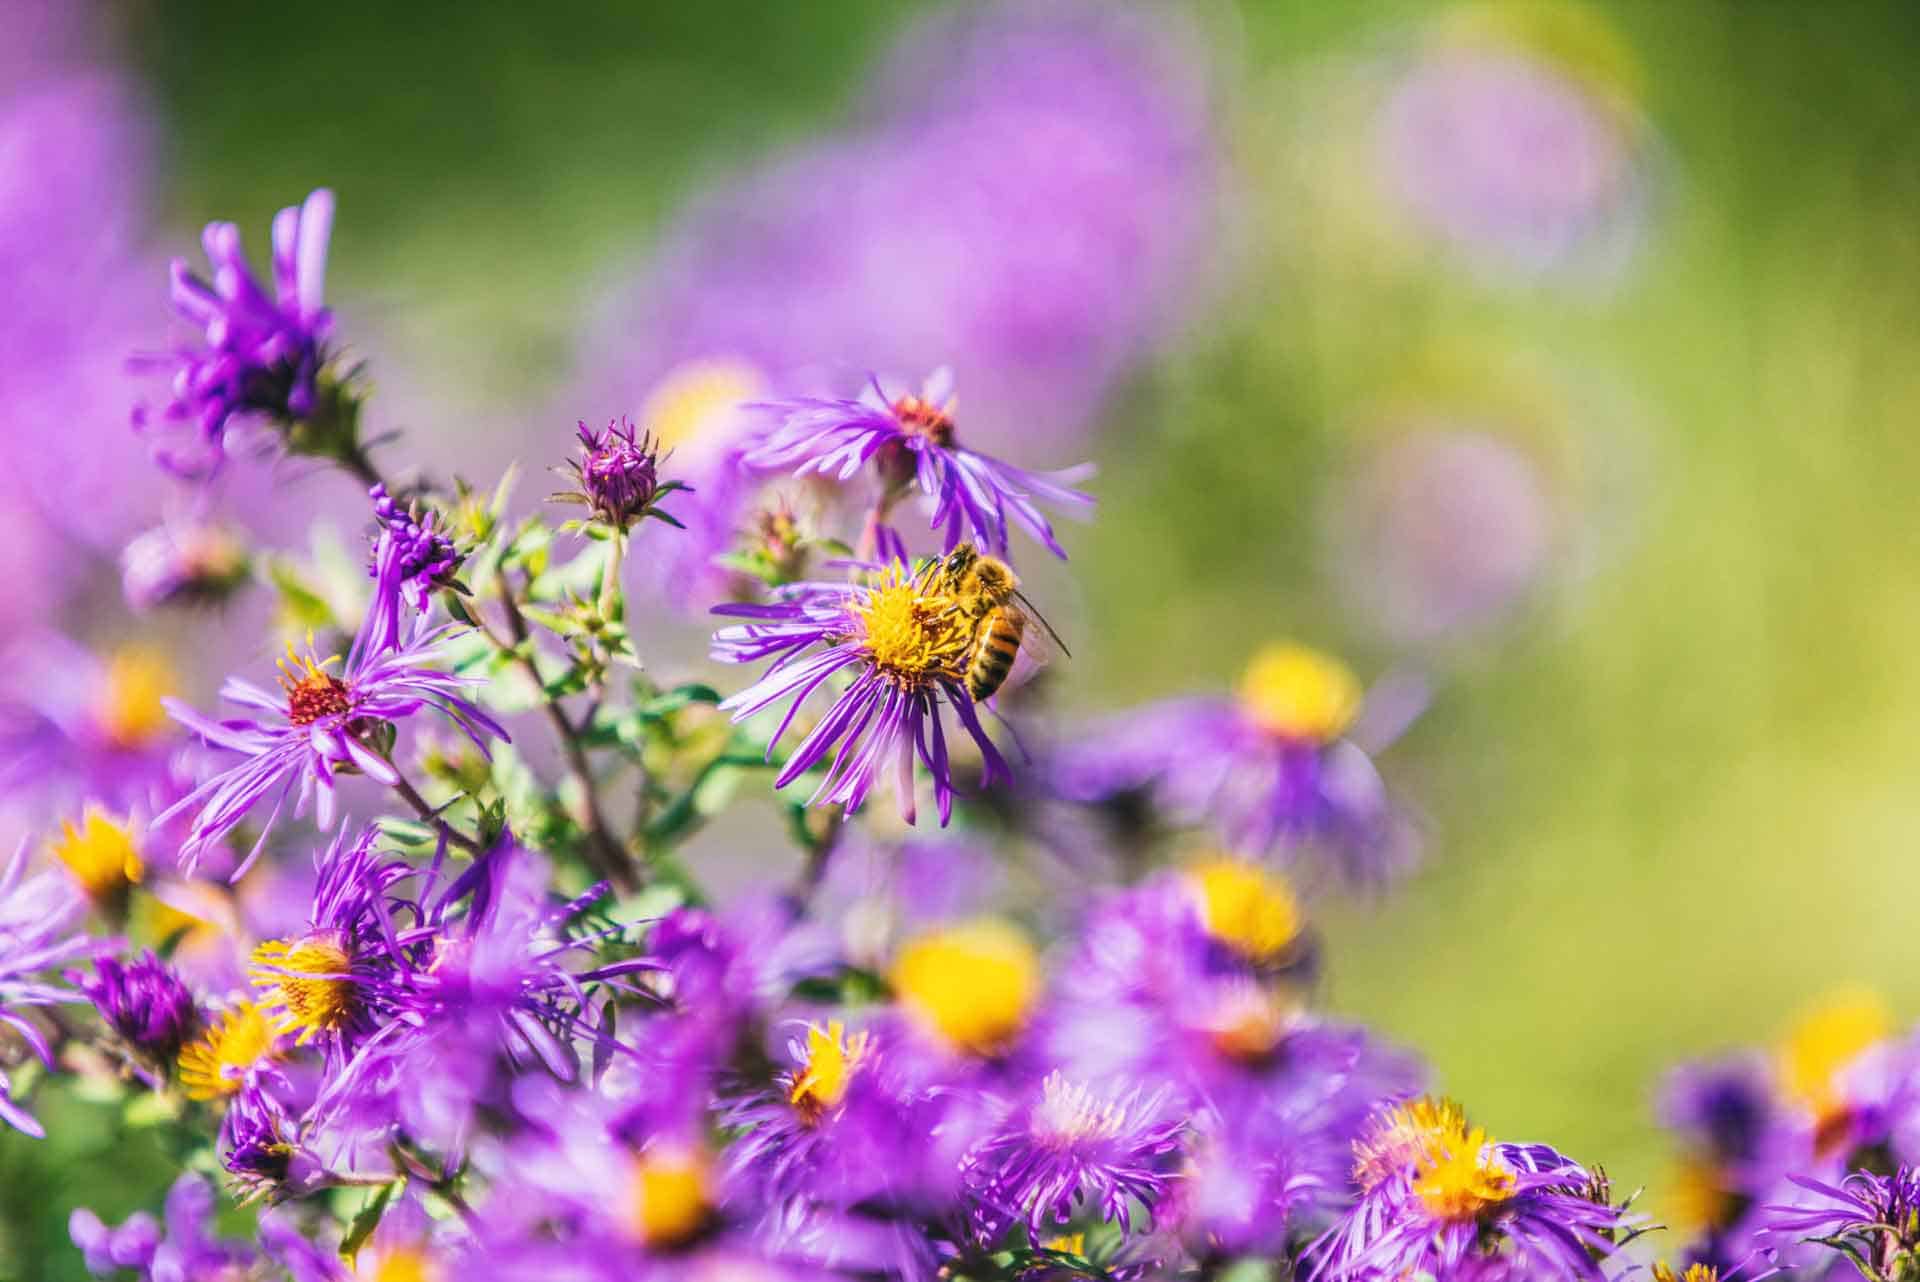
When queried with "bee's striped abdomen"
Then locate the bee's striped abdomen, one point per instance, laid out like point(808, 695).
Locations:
point(994, 648)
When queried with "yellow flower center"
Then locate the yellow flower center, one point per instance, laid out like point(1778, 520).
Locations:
point(307, 984)
point(100, 854)
point(974, 985)
point(670, 1197)
point(312, 692)
point(1465, 1178)
point(1245, 907)
point(1066, 1244)
point(129, 712)
point(913, 632)
point(696, 398)
point(1663, 1272)
point(1299, 694)
point(1829, 1037)
point(397, 1264)
point(217, 1065)
point(822, 1082)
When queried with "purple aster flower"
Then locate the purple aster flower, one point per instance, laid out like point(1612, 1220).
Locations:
point(1283, 765)
point(910, 440)
point(1521, 161)
point(1873, 1220)
point(190, 563)
point(146, 1005)
point(422, 559)
point(1436, 1196)
point(903, 641)
point(187, 1250)
point(260, 356)
point(618, 476)
point(1071, 1145)
point(322, 725)
point(40, 918)
point(340, 979)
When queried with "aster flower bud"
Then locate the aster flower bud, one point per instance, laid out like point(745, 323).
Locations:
point(145, 1003)
point(422, 558)
point(618, 476)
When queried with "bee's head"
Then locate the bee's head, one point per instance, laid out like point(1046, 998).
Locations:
point(995, 577)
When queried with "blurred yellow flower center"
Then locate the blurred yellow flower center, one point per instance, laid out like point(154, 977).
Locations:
point(695, 398)
point(129, 711)
point(670, 1196)
point(1296, 693)
point(400, 1264)
point(217, 1064)
point(822, 1083)
point(1245, 907)
point(1827, 1039)
point(1697, 1198)
point(913, 633)
point(1413, 1135)
point(1249, 1021)
point(1066, 1244)
point(974, 985)
point(307, 983)
point(100, 854)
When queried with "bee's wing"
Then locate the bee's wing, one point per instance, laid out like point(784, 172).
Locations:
point(1045, 636)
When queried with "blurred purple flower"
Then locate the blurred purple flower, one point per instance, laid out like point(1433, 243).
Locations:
point(186, 1251)
point(40, 919)
point(183, 563)
point(259, 356)
point(1280, 766)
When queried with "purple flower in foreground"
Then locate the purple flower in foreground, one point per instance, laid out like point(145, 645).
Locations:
point(145, 1003)
point(910, 439)
point(1874, 1220)
point(904, 640)
point(260, 356)
point(39, 919)
point(1069, 1145)
point(187, 1250)
point(1276, 766)
point(1437, 1197)
point(321, 725)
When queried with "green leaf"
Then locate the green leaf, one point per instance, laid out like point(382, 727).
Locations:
point(366, 1222)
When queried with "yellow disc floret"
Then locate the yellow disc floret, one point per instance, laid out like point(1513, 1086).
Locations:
point(670, 1195)
point(1829, 1037)
point(1663, 1272)
point(100, 853)
point(232, 1047)
point(1245, 907)
point(821, 1083)
point(1458, 1174)
point(914, 630)
point(307, 984)
point(973, 985)
point(1300, 694)
point(129, 712)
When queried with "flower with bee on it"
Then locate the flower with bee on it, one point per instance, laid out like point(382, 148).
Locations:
point(906, 638)
point(911, 441)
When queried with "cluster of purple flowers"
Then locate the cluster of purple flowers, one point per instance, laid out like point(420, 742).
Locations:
point(503, 1030)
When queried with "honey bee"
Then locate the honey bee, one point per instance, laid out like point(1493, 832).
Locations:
point(986, 590)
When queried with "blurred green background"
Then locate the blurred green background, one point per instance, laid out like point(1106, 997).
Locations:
point(1669, 801)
